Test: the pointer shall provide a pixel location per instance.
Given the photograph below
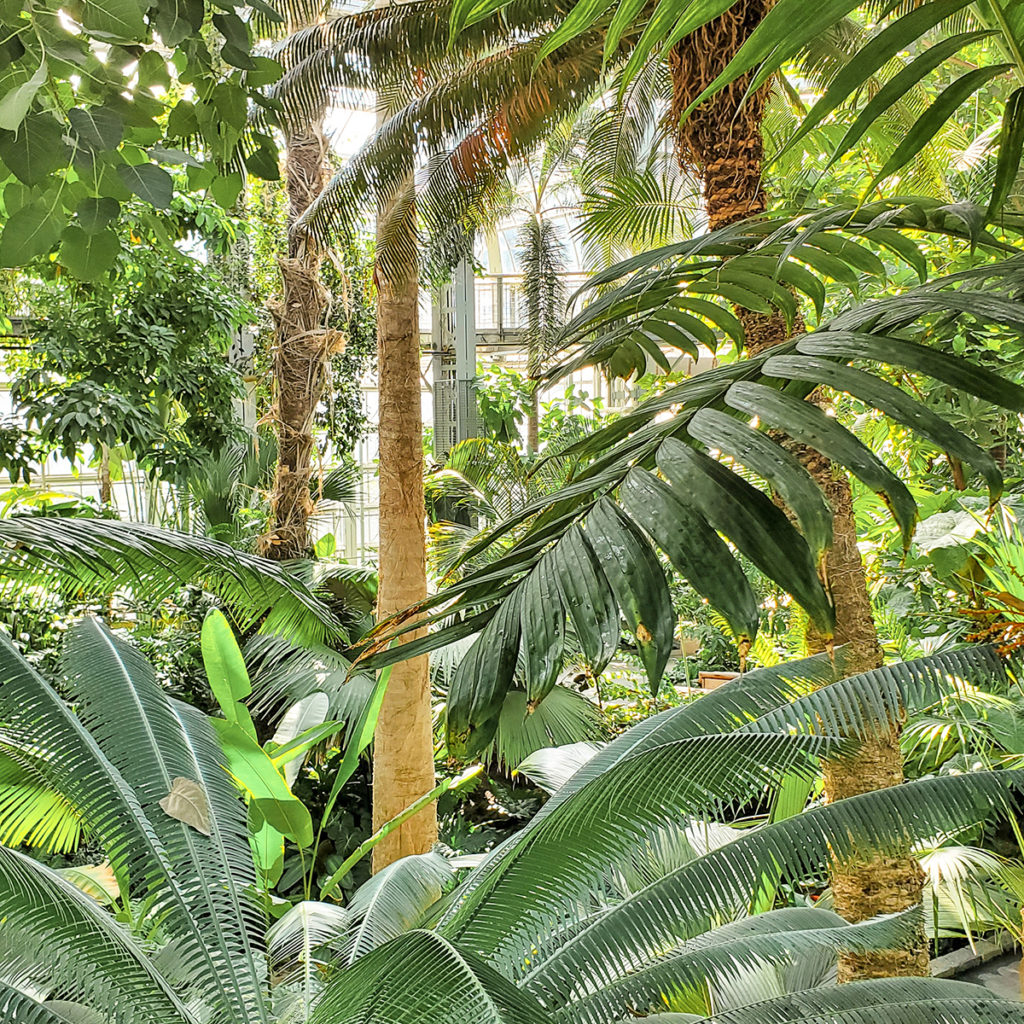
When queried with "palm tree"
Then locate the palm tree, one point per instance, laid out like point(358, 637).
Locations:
point(618, 899)
point(713, 58)
point(303, 344)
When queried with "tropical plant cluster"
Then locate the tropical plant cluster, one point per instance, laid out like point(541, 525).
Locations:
point(685, 686)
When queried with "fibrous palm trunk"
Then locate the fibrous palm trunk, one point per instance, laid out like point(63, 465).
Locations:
point(303, 347)
point(722, 142)
point(403, 752)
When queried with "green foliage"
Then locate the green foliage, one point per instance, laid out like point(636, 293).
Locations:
point(137, 361)
point(98, 99)
point(626, 857)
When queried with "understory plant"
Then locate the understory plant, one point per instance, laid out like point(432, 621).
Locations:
point(625, 896)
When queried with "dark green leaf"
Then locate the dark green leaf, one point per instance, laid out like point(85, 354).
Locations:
point(543, 628)
point(751, 521)
point(808, 424)
point(893, 402)
point(32, 231)
point(758, 452)
point(950, 369)
point(1011, 144)
point(35, 150)
point(148, 182)
point(694, 548)
point(638, 582)
point(97, 127)
point(95, 214)
point(484, 676)
point(88, 256)
point(587, 595)
point(114, 19)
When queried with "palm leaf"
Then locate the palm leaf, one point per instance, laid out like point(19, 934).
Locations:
point(431, 981)
point(89, 957)
point(100, 556)
point(195, 878)
point(899, 1000)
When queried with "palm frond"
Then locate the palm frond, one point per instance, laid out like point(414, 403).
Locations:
point(31, 812)
point(101, 556)
point(151, 741)
point(89, 957)
point(431, 981)
point(701, 966)
point(901, 1000)
point(196, 878)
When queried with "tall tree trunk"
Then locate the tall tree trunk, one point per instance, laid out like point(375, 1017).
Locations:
point(721, 141)
point(533, 419)
point(106, 489)
point(403, 749)
point(303, 347)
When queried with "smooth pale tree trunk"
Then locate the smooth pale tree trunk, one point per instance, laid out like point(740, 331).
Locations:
point(403, 748)
point(303, 348)
point(722, 142)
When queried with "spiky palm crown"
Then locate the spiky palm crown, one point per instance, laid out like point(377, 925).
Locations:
point(611, 902)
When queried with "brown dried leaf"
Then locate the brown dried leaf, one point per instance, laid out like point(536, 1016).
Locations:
point(188, 803)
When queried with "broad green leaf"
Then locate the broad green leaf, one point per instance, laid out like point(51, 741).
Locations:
point(225, 669)
point(694, 548)
point(88, 256)
point(758, 452)
point(36, 149)
point(114, 19)
point(810, 425)
point(15, 103)
point(638, 581)
point(97, 127)
point(267, 845)
point(95, 214)
point(32, 231)
point(758, 528)
point(148, 182)
point(263, 785)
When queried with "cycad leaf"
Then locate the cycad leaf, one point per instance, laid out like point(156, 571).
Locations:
point(895, 1000)
point(688, 900)
point(88, 955)
point(419, 978)
point(152, 742)
point(606, 818)
point(102, 555)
